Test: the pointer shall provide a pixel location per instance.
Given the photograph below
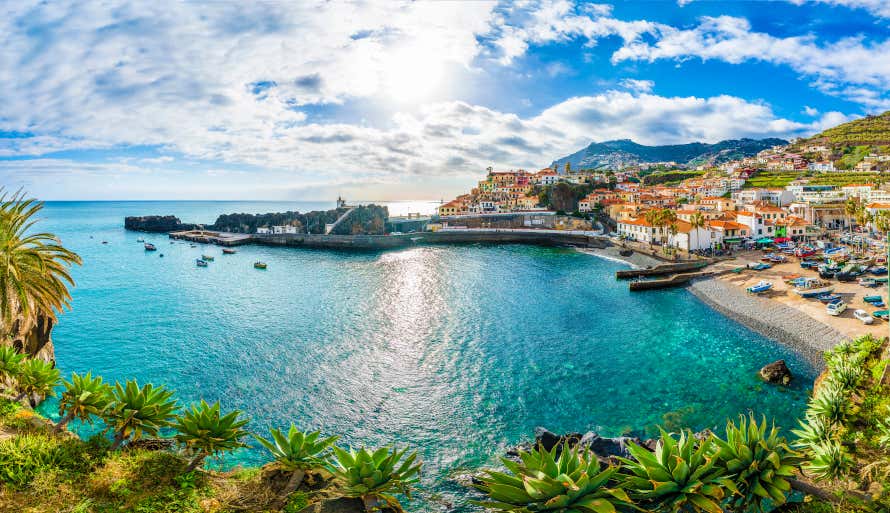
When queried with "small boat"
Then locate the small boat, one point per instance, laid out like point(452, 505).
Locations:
point(881, 280)
point(881, 314)
point(872, 299)
point(878, 271)
point(207, 258)
point(868, 282)
point(828, 298)
point(200, 263)
point(808, 264)
point(760, 288)
point(761, 267)
point(835, 308)
point(161, 255)
point(193, 245)
point(260, 265)
point(150, 247)
point(104, 242)
point(778, 259)
point(140, 240)
point(863, 316)
point(227, 251)
point(879, 304)
point(813, 287)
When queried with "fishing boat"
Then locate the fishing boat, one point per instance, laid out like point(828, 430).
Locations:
point(828, 298)
point(207, 258)
point(813, 287)
point(872, 299)
point(200, 263)
point(761, 287)
point(778, 259)
point(804, 251)
point(150, 247)
point(881, 280)
point(140, 240)
point(881, 314)
point(878, 271)
point(868, 282)
point(227, 251)
point(260, 265)
point(808, 264)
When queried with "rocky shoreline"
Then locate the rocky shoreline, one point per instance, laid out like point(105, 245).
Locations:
point(635, 260)
point(771, 319)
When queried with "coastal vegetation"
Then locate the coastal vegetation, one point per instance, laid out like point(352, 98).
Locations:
point(670, 177)
point(867, 130)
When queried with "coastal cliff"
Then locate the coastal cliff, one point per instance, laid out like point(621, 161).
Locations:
point(156, 224)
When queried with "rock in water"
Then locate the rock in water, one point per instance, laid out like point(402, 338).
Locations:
point(776, 372)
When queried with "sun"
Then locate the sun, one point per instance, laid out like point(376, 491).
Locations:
point(411, 74)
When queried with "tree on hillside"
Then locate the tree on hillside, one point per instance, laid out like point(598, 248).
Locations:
point(34, 274)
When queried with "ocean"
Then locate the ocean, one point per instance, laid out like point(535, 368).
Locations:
point(459, 352)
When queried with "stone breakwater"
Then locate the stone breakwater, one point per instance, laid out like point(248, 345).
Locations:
point(769, 318)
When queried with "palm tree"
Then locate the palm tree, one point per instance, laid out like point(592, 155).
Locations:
point(135, 411)
point(37, 379)
point(297, 452)
point(34, 267)
point(205, 431)
point(10, 364)
point(882, 221)
point(851, 207)
point(84, 396)
point(696, 221)
point(654, 218)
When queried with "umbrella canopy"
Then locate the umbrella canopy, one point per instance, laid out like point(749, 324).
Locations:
point(765, 240)
point(782, 239)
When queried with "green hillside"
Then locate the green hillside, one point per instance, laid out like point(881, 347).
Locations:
point(871, 130)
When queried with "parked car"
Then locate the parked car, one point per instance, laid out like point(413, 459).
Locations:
point(835, 308)
point(863, 316)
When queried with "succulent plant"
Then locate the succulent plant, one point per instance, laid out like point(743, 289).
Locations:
point(206, 431)
point(831, 403)
point(10, 364)
point(135, 411)
point(36, 378)
point(828, 461)
point(374, 475)
point(297, 452)
point(679, 475)
point(83, 397)
point(813, 430)
point(569, 483)
point(758, 462)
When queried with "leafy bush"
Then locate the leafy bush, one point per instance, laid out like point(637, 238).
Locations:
point(24, 456)
point(135, 411)
point(205, 431)
point(830, 402)
point(829, 460)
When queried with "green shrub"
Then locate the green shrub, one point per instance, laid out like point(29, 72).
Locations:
point(24, 456)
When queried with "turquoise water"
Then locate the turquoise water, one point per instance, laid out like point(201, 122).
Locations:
point(458, 351)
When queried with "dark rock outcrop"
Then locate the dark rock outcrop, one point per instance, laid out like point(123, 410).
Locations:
point(603, 447)
point(776, 372)
point(156, 224)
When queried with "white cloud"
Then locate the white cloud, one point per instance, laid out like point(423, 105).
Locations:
point(810, 111)
point(850, 67)
point(643, 86)
point(880, 8)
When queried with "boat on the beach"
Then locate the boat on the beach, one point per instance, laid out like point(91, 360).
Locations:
point(881, 314)
point(761, 287)
point(760, 267)
point(808, 264)
point(260, 265)
point(150, 247)
point(207, 258)
point(228, 251)
point(200, 263)
point(828, 298)
point(804, 251)
point(868, 282)
point(872, 299)
point(878, 271)
point(813, 287)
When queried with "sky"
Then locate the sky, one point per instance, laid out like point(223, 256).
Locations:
point(390, 100)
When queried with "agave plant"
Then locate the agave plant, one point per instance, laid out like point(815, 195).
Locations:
point(135, 411)
point(83, 397)
point(830, 403)
point(37, 379)
point(372, 476)
point(828, 461)
point(678, 476)
point(758, 462)
point(570, 483)
point(297, 452)
point(10, 364)
point(814, 430)
point(205, 431)
point(847, 373)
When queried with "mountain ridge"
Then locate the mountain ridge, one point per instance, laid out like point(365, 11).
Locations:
point(614, 154)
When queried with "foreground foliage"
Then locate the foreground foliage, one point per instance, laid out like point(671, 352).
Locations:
point(374, 476)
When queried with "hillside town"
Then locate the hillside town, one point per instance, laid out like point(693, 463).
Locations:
point(809, 193)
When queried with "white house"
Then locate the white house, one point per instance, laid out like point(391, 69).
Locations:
point(263, 230)
point(283, 229)
point(691, 239)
